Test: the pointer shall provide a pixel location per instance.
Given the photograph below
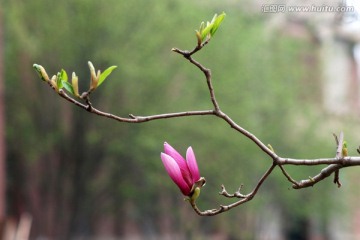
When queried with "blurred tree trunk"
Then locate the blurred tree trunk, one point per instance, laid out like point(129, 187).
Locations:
point(2, 128)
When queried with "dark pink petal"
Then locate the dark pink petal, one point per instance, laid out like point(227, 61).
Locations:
point(169, 150)
point(192, 164)
point(174, 172)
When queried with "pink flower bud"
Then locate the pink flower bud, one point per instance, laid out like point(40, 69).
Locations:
point(184, 173)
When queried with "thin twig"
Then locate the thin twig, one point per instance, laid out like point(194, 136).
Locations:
point(244, 198)
point(289, 178)
point(132, 118)
point(237, 194)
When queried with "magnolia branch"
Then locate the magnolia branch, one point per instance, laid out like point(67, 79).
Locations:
point(133, 118)
point(332, 165)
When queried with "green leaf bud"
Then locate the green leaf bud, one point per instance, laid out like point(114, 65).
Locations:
point(344, 149)
point(216, 23)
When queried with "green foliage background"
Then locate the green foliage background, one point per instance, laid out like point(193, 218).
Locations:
point(75, 172)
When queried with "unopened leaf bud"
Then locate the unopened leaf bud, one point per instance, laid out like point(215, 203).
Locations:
point(345, 149)
point(75, 84)
point(198, 36)
point(53, 82)
point(41, 71)
point(271, 148)
point(93, 77)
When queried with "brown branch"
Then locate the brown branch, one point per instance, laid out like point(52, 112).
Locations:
point(333, 164)
point(217, 111)
point(324, 173)
point(132, 118)
point(353, 161)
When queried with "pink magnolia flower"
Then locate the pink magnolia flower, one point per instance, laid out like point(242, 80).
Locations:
point(184, 173)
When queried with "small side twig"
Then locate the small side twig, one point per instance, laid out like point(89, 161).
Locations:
point(339, 144)
point(236, 194)
point(244, 198)
point(289, 178)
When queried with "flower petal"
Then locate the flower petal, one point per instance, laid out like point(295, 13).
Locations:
point(192, 164)
point(169, 150)
point(174, 172)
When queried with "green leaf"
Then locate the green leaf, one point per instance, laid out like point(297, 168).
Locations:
point(216, 23)
point(68, 87)
point(58, 81)
point(206, 31)
point(105, 74)
point(211, 27)
point(63, 75)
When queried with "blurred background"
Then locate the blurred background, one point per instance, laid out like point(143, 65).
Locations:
point(289, 77)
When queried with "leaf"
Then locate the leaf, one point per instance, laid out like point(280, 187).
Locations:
point(61, 78)
point(68, 87)
point(217, 23)
point(63, 75)
point(105, 74)
point(206, 31)
point(211, 27)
